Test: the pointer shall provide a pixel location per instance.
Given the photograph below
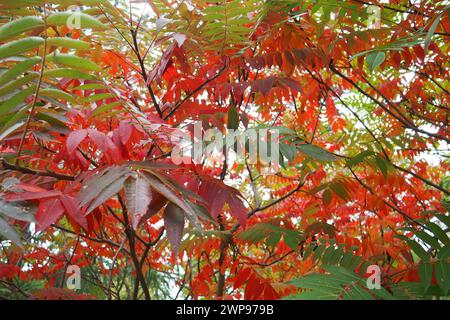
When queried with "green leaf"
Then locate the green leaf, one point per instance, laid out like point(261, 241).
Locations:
point(340, 190)
point(339, 283)
point(359, 158)
point(317, 152)
point(431, 31)
point(97, 97)
point(57, 94)
point(382, 165)
point(19, 46)
point(257, 232)
point(374, 59)
point(446, 205)
point(428, 239)
point(273, 239)
point(444, 253)
point(18, 69)
point(288, 150)
point(19, 26)
point(327, 196)
point(418, 250)
point(318, 252)
point(233, 118)
point(445, 219)
point(17, 84)
point(71, 18)
point(106, 107)
point(91, 86)
point(442, 269)
point(73, 62)
point(68, 43)
point(291, 240)
point(55, 123)
point(9, 128)
point(68, 73)
point(426, 274)
point(14, 101)
point(438, 232)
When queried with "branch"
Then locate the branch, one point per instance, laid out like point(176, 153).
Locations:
point(38, 87)
point(15, 167)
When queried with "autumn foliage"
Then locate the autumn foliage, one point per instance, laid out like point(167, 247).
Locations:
point(93, 91)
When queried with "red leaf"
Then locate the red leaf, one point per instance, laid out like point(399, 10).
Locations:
point(99, 138)
point(264, 86)
point(158, 201)
point(138, 197)
point(218, 202)
point(174, 224)
point(241, 277)
point(292, 84)
point(49, 211)
point(31, 195)
point(59, 294)
point(74, 139)
point(8, 271)
point(217, 194)
point(70, 204)
point(125, 131)
point(237, 208)
point(29, 187)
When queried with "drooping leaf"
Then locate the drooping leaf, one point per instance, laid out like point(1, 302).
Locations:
point(431, 32)
point(426, 274)
point(288, 150)
point(172, 196)
point(74, 139)
point(442, 269)
point(50, 210)
point(138, 197)
point(317, 153)
point(174, 224)
point(73, 211)
point(102, 186)
point(233, 118)
point(374, 59)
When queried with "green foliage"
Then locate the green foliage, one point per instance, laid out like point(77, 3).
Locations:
point(337, 284)
point(226, 23)
point(272, 234)
point(431, 245)
point(21, 59)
